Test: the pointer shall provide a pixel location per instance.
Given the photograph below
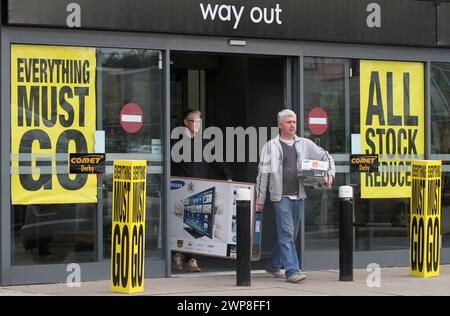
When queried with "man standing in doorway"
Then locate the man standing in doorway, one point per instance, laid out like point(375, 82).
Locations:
point(192, 122)
point(278, 168)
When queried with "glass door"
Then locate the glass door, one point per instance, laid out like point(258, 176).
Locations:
point(133, 77)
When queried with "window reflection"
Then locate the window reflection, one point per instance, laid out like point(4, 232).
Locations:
point(440, 108)
point(322, 217)
point(325, 88)
point(46, 234)
point(440, 136)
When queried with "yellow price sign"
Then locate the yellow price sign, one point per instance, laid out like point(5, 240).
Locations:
point(425, 224)
point(128, 226)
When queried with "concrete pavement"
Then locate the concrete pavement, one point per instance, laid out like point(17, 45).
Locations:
point(394, 281)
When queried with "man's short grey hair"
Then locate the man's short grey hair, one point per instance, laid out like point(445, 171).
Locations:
point(190, 112)
point(284, 114)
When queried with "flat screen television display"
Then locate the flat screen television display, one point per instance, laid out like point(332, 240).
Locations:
point(198, 213)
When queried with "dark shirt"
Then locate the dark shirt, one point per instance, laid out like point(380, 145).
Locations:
point(202, 169)
point(290, 181)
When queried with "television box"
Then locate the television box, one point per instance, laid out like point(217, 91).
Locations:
point(313, 173)
point(202, 217)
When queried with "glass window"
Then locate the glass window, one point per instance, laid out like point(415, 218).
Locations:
point(55, 233)
point(325, 88)
point(440, 108)
point(53, 113)
point(440, 136)
point(381, 224)
point(63, 96)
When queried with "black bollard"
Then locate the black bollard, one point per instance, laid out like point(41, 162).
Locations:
point(243, 276)
point(346, 233)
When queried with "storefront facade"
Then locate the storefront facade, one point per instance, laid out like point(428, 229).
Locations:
point(127, 56)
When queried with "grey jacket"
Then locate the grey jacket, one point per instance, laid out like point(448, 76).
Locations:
point(270, 170)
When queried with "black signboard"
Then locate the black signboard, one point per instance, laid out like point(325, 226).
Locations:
point(397, 22)
point(443, 23)
point(87, 163)
point(364, 163)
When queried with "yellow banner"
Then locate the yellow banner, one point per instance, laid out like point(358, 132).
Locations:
point(392, 123)
point(53, 113)
point(425, 222)
point(128, 226)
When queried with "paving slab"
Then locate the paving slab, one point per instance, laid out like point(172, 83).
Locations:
point(394, 281)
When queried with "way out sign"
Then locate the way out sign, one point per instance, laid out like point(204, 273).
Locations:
point(318, 121)
point(128, 226)
point(131, 118)
point(425, 223)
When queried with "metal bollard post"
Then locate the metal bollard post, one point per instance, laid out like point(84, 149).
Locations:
point(243, 277)
point(345, 233)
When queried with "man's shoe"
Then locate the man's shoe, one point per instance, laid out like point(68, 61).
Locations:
point(177, 262)
point(192, 266)
point(296, 278)
point(277, 274)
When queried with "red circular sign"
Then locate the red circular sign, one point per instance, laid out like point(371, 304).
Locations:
point(318, 121)
point(131, 118)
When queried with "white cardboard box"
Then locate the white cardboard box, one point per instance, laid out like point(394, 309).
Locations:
point(203, 217)
point(313, 173)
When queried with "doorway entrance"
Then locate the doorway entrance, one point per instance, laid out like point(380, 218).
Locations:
point(232, 91)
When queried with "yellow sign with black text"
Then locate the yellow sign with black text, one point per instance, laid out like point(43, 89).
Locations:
point(425, 223)
point(128, 226)
point(392, 120)
point(53, 113)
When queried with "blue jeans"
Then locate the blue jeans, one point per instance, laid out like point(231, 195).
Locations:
point(288, 214)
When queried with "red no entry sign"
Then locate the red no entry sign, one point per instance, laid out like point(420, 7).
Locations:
point(131, 118)
point(317, 121)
